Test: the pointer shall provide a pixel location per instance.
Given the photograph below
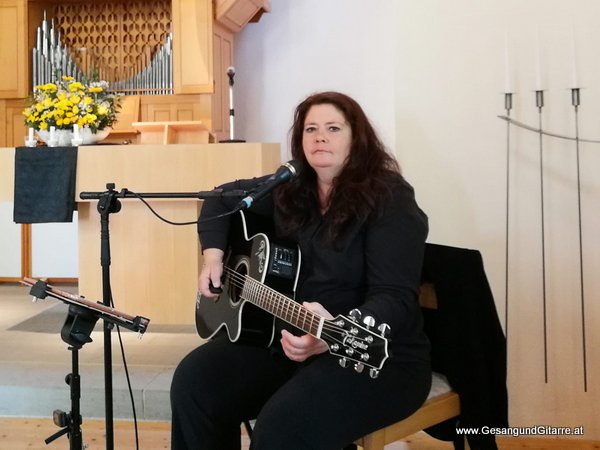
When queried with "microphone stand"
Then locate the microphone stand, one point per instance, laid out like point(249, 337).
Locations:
point(231, 74)
point(108, 203)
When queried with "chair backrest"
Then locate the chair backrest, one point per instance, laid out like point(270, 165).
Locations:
point(468, 344)
point(468, 347)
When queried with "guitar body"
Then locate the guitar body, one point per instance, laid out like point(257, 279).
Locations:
point(250, 254)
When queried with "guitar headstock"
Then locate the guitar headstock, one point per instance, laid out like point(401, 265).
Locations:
point(356, 342)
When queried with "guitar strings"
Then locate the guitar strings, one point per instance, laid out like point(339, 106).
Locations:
point(239, 280)
point(269, 294)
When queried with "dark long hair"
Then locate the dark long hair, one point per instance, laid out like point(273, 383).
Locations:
point(361, 186)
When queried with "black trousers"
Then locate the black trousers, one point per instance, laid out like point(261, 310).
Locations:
point(314, 405)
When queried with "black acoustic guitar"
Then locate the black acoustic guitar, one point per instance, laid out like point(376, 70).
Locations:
point(256, 274)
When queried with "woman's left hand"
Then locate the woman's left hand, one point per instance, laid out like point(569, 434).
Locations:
point(299, 348)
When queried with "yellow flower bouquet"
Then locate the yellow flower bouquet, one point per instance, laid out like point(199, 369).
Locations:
point(69, 102)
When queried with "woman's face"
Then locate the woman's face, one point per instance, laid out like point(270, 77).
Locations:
point(326, 139)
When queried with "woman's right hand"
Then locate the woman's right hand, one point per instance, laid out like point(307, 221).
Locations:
point(212, 270)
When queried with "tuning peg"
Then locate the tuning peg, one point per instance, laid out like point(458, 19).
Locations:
point(373, 373)
point(355, 315)
point(369, 321)
point(384, 329)
point(358, 367)
point(343, 362)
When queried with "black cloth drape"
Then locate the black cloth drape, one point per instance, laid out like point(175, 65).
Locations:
point(468, 343)
point(44, 184)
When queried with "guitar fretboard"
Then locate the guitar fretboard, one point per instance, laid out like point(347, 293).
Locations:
point(282, 307)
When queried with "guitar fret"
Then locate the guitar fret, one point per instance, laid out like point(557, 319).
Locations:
point(290, 313)
point(308, 317)
point(273, 302)
point(258, 298)
point(264, 298)
point(284, 311)
point(295, 310)
point(277, 305)
point(304, 321)
point(312, 323)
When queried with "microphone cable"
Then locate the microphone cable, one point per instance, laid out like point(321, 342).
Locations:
point(127, 377)
point(170, 222)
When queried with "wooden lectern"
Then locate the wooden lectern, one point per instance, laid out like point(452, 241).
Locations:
point(186, 132)
point(154, 265)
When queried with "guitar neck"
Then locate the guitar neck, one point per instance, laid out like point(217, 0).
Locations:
point(282, 307)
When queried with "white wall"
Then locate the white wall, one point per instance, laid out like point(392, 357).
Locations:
point(450, 76)
point(431, 74)
point(10, 243)
point(54, 249)
point(306, 46)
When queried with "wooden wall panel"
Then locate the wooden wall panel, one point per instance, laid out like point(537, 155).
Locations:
point(15, 123)
point(12, 123)
point(14, 59)
point(192, 46)
point(223, 59)
point(3, 124)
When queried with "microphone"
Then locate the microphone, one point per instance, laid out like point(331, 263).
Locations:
point(230, 74)
point(285, 173)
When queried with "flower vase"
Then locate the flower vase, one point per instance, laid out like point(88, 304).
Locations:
point(90, 138)
point(64, 137)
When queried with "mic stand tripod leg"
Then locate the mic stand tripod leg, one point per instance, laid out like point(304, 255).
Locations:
point(56, 435)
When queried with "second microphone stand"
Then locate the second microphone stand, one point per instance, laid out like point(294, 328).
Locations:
point(231, 74)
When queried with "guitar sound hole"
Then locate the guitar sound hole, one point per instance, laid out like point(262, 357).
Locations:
point(236, 279)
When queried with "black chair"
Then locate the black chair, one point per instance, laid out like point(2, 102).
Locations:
point(468, 348)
